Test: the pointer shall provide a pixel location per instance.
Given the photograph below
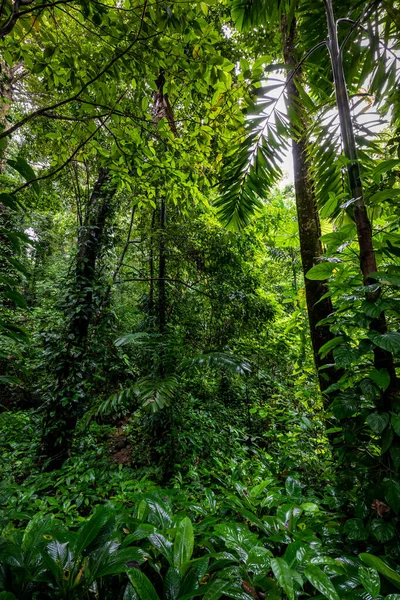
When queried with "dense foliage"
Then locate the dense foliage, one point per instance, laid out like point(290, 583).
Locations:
point(199, 391)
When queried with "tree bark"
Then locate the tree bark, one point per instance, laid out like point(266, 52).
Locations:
point(382, 358)
point(162, 298)
point(68, 398)
point(307, 215)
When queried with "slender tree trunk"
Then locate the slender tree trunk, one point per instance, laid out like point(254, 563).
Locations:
point(5, 101)
point(68, 398)
point(162, 298)
point(151, 266)
point(307, 215)
point(382, 358)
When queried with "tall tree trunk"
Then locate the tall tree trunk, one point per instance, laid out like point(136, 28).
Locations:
point(162, 298)
point(382, 358)
point(307, 214)
point(151, 266)
point(68, 398)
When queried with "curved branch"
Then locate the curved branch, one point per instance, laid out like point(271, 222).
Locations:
point(16, 13)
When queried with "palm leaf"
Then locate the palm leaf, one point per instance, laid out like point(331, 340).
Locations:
point(156, 394)
point(217, 360)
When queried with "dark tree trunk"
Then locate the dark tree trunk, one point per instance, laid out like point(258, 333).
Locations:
point(307, 216)
point(162, 298)
point(68, 399)
point(382, 358)
point(151, 266)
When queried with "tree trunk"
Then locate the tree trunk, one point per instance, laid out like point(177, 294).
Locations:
point(162, 298)
point(307, 216)
point(68, 398)
point(382, 358)
point(151, 267)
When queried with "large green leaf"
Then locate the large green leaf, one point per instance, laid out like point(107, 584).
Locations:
point(344, 405)
point(283, 575)
point(381, 567)
point(259, 560)
point(26, 171)
point(326, 348)
point(381, 378)
point(216, 589)
point(385, 195)
point(16, 297)
point(388, 341)
point(321, 582)
point(392, 493)
point(172, 584)
point(91, 528)
point(378, 421)
point(383, 167)
point(395, 420)
point(355, 530)
point(183, 544)
point(143, 586)
point(322, 271)
point(382, 530)
point(8, 201)
point(370, 580)
point(162, 544)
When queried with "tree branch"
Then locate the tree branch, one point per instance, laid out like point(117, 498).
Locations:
point(40, 111)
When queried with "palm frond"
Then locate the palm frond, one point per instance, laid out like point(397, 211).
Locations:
point(217, 360)
point(156, 394)
point(253, 166)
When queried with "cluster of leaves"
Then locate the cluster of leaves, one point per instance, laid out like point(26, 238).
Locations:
point(283, 540)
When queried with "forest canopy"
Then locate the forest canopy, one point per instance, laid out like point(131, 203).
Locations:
point(199, 299)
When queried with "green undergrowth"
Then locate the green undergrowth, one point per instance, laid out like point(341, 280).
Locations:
point(240, 513)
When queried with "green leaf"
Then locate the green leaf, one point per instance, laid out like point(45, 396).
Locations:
point(283, 575)
point(321, 582)
point(7, 596)
point(391, 488)
point(378, 421)
point(26, 171)
point(91, 528)
point(382, 530)
point(344, 356)
point(344, 406)
point(395, 456)
point(259, 560)
point(381, 567)
point(8, 201)
point(387, 341)
point(16, 297)
point(386, 278)
point(216, 589)
point(143, 586)
point(381, 378)
point(383, 167)
point(395, 420)
point(326, 348)
point(322, 271)
point(172, 584)
point(355, 530)
point(183, 544)
point(163, 545)
point(293, 487)
point(385, 195)
point(370, 580)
